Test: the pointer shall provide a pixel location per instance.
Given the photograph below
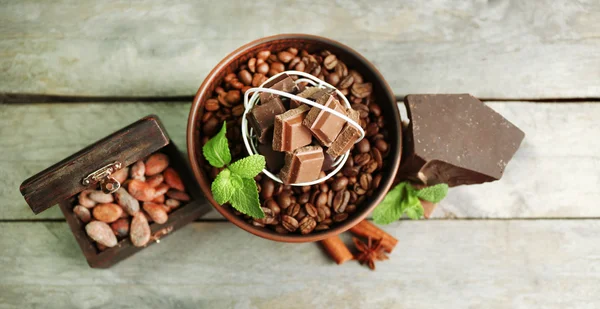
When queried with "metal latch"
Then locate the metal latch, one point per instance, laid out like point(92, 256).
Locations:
point(102, 175)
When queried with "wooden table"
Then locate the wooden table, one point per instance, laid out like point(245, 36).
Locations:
point(529, 240)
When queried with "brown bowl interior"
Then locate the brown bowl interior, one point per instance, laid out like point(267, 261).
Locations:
point(383, 94)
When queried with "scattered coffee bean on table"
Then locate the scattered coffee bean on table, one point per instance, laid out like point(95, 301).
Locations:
point(111, 218)
point(306, 209)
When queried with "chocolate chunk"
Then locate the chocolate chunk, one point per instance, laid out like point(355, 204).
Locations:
point(302, 165)
point(306, 93)
point(456, 139)
point(283, 83)
point(274, 159)
point(325, 126)
point(262, 117)
point(347, 137)
point(289, 133)
point(328, 162)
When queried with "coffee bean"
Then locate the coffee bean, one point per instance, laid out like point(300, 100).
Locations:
point(263, 68)
point(340, 201)
point(351, 208)
point(361, 159)
point(258, 79)
point(365, 181)
point(269, 217)
point(238, 110)
point(257, 223)
point(370, 167)
point(307, 225)
point(294, 62)
point(252, 65)
point(376, 181)
point(277, 67)
point(321, 214)
point(285, 56)
point(303, 198)
point(321, 199)
point(341, 69)
point(229, 77)
point(289, 223)
point(350, 171)
point(211, 105)
point(339, 183)
point(293, 210)
point(351, 180)
point(375, 110)
point(245, 77)
point(333, 79)
point(363, 146)
point(340, 217)
point(381, 145)
point(263, 54)
point(380, 121)
point(281, 230)
point(377, 157)
point(272, 58)
point(372, 129)
point(207, 116)
point(310, 209)
point(330, 62)
point(271, 204)
point(357, 77)
point(284, 199)
point(301, 214)
point(330, 196)
point(358, 189)
point(346, 82)
point(321, 227)
point(301, 66)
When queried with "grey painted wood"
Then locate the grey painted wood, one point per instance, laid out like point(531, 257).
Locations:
point(493, 49)
point(555, 173)
point(437, 264)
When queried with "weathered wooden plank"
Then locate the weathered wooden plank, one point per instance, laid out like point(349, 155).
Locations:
point(495, 49)
point(556, 173)
point(437, 264)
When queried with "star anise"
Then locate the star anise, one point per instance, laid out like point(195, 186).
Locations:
point(370, 252)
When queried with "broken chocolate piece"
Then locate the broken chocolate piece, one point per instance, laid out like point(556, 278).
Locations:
point(302, 165)
point(282, 83)
point(457, 140)
point(274, 159)
point(289, 133)
point(306, 93)
point(262, 117)
point(324, 125)
point(349, 135)
point(328, 162)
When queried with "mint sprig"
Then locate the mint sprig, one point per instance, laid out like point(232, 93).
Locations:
point(404, 199)
point(235, 183)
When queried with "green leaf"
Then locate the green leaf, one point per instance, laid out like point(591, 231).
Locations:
point(412, 207)
point(248, 167)
point(245, 199)
point(222, 187)
point(216, 150)
point(433, 194)
point(390, 210)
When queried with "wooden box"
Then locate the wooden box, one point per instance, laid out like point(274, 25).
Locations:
point(60, 184)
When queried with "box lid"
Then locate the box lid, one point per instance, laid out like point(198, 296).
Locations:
point(68, 177)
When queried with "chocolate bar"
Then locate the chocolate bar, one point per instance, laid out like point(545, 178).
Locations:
point(324, 125)
point(302, 165)
point(274, 159)
point(306, 93)
point(457, 140)
point(282, 83)
point(262, 117)
point(347, 137)
point(289, 133)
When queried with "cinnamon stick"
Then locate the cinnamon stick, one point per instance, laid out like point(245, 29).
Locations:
point(337, 249)
point(367, 229)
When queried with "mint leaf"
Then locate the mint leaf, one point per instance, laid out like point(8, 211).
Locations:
point(433, 194)
point(216, 150)
point(245, 199)
point(412, 207)
point(248, 167)
point(222, 188)
point(390, 210)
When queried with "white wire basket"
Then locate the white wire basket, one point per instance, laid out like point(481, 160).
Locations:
point(250, 139)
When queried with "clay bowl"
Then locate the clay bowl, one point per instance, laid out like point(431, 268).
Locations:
point(353, 60)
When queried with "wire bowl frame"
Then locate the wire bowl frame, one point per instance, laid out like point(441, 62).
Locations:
point(250, 139)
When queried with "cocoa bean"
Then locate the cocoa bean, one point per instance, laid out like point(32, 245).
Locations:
point(156, 164)
point(141, 190)
point(101, 197)
point(157, 212)
point(127, 202)
point(82, 213)
point(101, 233)
point(120, 227)
point(139, 232)
point(107, 212)
point(173, 180)
point(178, 195)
